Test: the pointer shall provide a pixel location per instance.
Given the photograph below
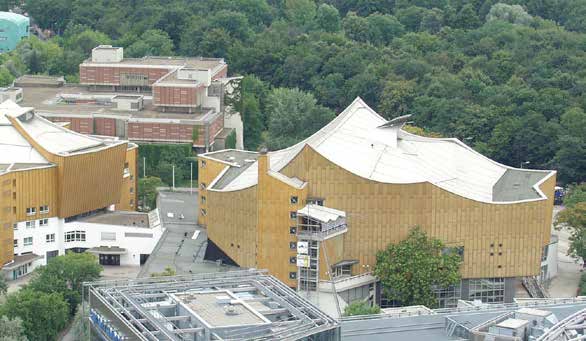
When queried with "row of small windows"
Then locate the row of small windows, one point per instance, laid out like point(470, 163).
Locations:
point(33, 223)
point(28, 241)
point(33, 210)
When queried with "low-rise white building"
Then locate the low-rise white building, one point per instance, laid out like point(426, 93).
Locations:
point(115, 237)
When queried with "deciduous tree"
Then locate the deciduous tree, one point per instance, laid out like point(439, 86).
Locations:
point(412, 268)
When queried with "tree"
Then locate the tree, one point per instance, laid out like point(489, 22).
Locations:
point(328, 18)
point(572, 146)
point(43, 314)
point(361, 308)
point(165, 171)
point(411, 269)
point(293, 116)
point(147, 191)
point(231, 140)
point(151, 43)
point(300, 12)
point(12, 329)
point(575, 194)
point(3, 286)
point(574, 217)
point(65, 275)
point(515, 14)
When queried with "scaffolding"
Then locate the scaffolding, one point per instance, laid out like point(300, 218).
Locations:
point(315, 225)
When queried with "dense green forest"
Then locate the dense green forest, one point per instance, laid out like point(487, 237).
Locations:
point(507, 78)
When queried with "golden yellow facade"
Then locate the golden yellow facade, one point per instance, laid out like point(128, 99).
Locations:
point(499, 239)
point(129, 191)
point(22, 189)
point(70, 185)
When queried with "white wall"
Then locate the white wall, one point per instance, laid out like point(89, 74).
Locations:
point(40, 246)
point(203, 76)
point(109, 54)
point(135, 246)
point(232, 119)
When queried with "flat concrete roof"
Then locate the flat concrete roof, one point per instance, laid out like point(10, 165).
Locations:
point(46, 100)
point(239, 160)
point(122, 218)
point(208, 307)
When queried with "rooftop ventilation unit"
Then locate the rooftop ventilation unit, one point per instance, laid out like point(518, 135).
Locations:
point(231, 310)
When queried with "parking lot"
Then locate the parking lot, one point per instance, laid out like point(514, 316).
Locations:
point(177, 248)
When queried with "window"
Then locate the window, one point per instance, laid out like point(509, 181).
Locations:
point(75, 236)
point(293, 215)
point(15, 226)
point(44, 222)
point(292, 230)
point(293, 245)
point(108, 235)
point(50, 238)
point(3, 38)
point(31, 210)
point(204, 212)
point(203, 199)
point(202, 185)
point(44, 209)
point(448, 297)
point(316, 201)
point(292, 275)
point(131, 202)
point(343, 270)
point(293, 260)
point(28, 241)
point(30, 224)
point(131, 177)
point(203, 163)
point(294, 200)
point(488, 290)
point(131, 189)
point(16, 243)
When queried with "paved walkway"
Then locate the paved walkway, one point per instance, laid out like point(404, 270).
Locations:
point(177, 248)
point(565, 284)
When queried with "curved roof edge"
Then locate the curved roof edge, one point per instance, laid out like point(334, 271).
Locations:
point(281, 158)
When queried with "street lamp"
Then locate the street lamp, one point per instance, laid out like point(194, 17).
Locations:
point(525, 163)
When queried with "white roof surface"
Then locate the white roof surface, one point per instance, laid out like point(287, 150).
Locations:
point(355, 141)
point(321, 213)
point(16, 150)
point(56, 139)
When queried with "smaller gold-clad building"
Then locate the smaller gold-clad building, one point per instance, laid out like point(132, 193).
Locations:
point(50, 175)
point(320, 210)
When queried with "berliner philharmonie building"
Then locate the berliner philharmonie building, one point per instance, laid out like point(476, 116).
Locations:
point(318, 211)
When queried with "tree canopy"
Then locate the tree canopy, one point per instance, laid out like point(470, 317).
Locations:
point(11, 329)
point(410, 270)
point(573, 216)
point(43, 314)
point(508, 78)
point(65, 275)
point(361, 308)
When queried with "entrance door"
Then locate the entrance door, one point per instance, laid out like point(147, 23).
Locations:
point(109, 259)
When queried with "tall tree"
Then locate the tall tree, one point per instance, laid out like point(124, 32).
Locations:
point(43, 315)
point(65, 275)
point(11, 329)
point(293, 115)
point(410, 270)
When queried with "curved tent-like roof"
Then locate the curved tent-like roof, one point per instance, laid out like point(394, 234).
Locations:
point(364, 143)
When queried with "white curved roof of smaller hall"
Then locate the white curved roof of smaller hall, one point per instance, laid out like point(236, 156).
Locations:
point(355, 141)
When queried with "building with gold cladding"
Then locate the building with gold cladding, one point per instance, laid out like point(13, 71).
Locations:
point(321, 209)
point(49, 176)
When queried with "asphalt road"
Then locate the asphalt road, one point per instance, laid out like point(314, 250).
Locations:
point(176, 248)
